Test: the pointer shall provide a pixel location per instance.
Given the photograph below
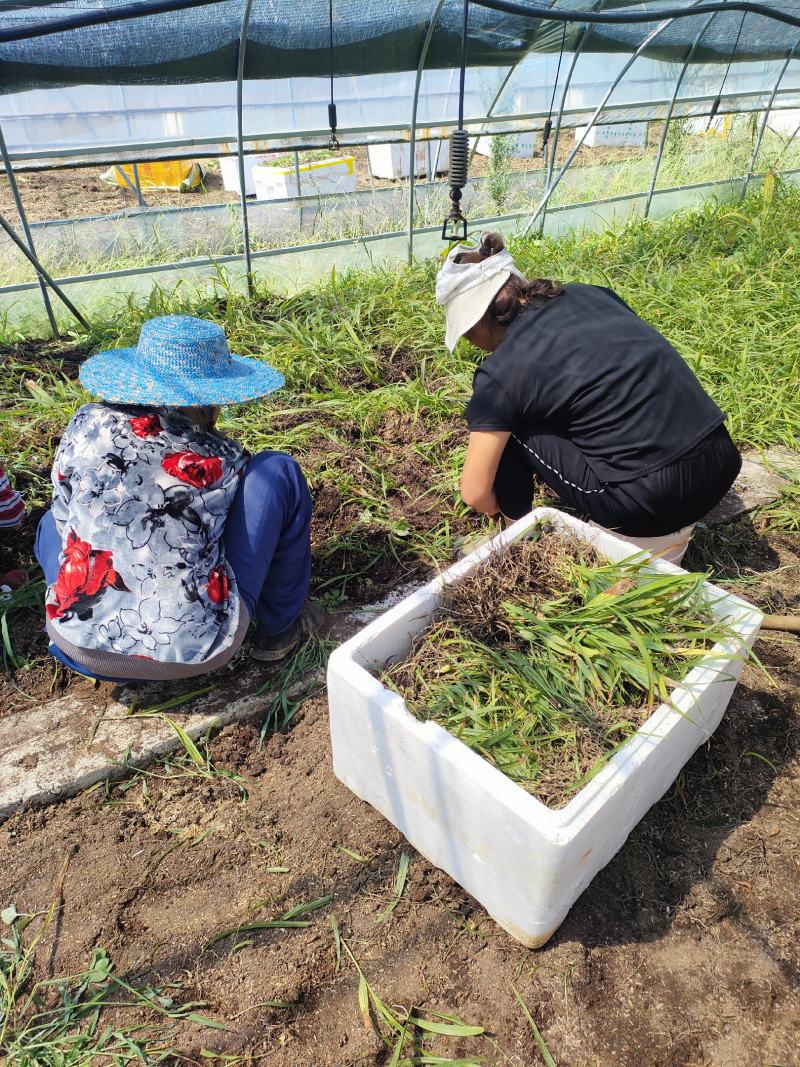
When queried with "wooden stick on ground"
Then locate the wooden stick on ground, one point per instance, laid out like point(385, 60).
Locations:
point(790, 623)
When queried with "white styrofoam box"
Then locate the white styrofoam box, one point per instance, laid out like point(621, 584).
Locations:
point(229, 169)
point(391, 160)
point(524, 146)
point(620, 135)
point(524, 862)
point(334, 175)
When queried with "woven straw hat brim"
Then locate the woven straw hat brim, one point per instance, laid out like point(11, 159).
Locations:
point(467, 308)
point(116, 376)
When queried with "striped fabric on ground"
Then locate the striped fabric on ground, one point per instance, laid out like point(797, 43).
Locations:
point(12, 508)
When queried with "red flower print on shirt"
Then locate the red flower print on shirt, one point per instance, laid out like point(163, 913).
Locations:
point(145, 425)
point(218, 585)
point(189, 467)
point(83, 577)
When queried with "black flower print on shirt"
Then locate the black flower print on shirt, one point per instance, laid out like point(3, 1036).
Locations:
point(146, 626)
point(170, 514)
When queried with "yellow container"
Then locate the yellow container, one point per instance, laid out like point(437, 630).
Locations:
point(166, 174)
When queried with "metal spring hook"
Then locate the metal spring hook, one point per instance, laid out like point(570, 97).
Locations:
point(454, 227)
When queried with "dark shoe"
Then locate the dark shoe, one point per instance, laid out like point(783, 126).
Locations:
point(269, 648)
point(14, 579)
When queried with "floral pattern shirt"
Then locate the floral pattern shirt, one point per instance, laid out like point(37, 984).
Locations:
point(140, 500)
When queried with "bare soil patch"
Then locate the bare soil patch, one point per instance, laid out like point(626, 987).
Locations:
point(682, 953)
point(73, 193)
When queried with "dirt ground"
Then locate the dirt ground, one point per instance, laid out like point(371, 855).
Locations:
point(79, 192)
point(683, 952)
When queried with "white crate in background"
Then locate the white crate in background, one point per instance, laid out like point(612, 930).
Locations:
point(391, 160)
point(620, 135)
point(525, 863)
point(229, 169)
point(318, 177)
point(524, 144)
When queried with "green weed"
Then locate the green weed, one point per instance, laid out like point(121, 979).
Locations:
point(76, 1020)
point(545, 661)
point(407, 1034)
point(373, 406)
point(25, 599)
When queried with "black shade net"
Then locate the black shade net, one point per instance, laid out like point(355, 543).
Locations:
point(291, 39)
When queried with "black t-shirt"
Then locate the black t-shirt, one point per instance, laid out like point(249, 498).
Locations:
point(585, 367)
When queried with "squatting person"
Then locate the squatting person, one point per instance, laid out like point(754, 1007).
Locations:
point(582, 393)
point(164, 537)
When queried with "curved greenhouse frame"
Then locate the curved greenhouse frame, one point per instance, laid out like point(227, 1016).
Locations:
point(255, 76)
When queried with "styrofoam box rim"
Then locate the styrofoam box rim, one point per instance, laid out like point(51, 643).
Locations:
point(564, 823)
point(343, 163)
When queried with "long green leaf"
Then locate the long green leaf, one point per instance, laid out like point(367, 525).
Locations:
point(304, 909)
point(203, 1020)
point(267, 924)
point(192, 751)
point(455, 1029)
point(546, 1056)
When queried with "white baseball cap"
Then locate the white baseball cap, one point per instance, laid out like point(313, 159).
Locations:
point(465, 290)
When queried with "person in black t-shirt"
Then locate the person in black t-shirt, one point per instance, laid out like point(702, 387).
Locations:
point(582, 393)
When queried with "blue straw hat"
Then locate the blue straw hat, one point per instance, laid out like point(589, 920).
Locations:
point(180, 361)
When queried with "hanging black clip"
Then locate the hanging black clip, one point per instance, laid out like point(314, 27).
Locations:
point(547, 129)
point(333, 140)
point(713, 112)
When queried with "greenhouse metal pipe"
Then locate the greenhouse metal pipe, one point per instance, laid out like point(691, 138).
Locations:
point(135, 189)
point(551, 157)
point(553, 185)
point(789, 140)
point(763, 126)
point(189, 264)
point(23, 221)
point(37, 266)
point(248, 6)
point(628, 17)
point(109, 154)
point(138, 185)
point(668, 117)
point(412, 149)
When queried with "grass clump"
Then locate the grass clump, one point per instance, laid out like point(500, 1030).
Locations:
point(79, 1019)
point(373, 403)
point(547, 659)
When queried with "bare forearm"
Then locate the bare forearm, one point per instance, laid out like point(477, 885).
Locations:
point(480, 467)
point(485, 502)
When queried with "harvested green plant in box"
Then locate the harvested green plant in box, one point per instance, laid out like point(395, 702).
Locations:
point(547, 658)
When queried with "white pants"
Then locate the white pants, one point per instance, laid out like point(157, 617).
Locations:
point(670, 547)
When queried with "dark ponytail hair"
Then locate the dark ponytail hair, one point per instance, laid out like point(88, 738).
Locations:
point(517, 293)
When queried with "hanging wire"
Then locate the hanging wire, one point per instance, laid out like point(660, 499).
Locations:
point(333, 142)
point(548, 125)
point(463, 72)
point(718, 100)
point(454, 227)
